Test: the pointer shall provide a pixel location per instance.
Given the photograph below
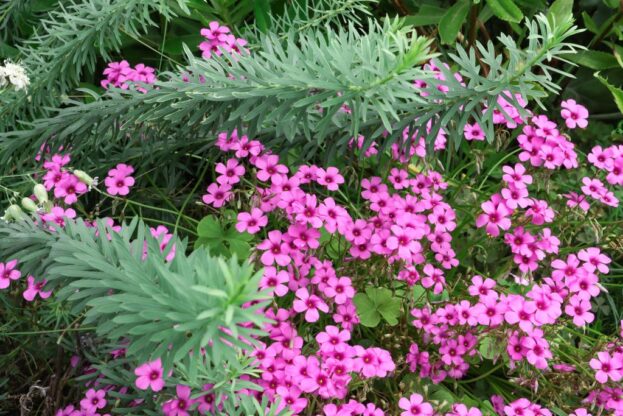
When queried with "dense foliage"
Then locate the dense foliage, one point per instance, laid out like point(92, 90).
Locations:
point(330, 208)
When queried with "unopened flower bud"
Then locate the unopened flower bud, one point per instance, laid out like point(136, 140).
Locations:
point(83, 177)
point(13, 212)
point(29, 205)
point(40, 193)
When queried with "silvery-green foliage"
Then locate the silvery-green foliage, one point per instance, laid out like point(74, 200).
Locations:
point(291, 93)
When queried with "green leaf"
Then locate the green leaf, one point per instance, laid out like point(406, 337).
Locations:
point(506, 10)
point(209, 227)
point(377, 303)
point(224, 242)
point(616, 92)
point(593, 59)
point(452, 20)
point(261, 9)
point(368, 315)
point(427, 15)
point(560, 11)
point(589, 23)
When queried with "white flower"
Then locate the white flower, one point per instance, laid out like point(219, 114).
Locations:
point(14, 74)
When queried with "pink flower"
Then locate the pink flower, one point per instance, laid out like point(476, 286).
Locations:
point(218, 195)
point(8, 273)
point(310, 304)
point(473, 132)
point(482, 288)
point(119, 180)
point(330, 178)
point(333, 339)
point(150, 375)
point(607, 367)
point(415, 406)
point(579, 310)
point(576, 200)
point(94, 400)
point(516, 176)
point(269, 168)
point(275, 250)
point(580, 412)
point(230, 173)
point(339, 289)
point(595, 258)
point(399, 178)
point(575, 115)
point(115, 72)
point(34, 289)
point(275, 281)
point(495, 217)
point(182, 403)
point(58, 215)
point(69, 188)
point(593, 187)
point(540, 212)
point(251, 222)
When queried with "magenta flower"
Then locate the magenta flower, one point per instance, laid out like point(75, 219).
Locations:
point(57, 215)
point(516, 176)
point(93, 400)
point(339, 289)
point(415, 406)
point(494, 218)
point(269, 168)
point(473, 132)
point(575, 115)
point(595, 258)
point(333, 339)
point(218, 195)
point(607, 367)
point(576, 200)
point(230, 172)
point(593, 187)
point(119, 180)
point(8, 273)
point(399, 178)
point(330, 178)
point(579, 310)
point(182, 403)
point(115, 72)
point(34, 289)
point(275, 281)
point(69, 188)
point(251, 222)
point(310, 304)
point(276, 250)
point(150, 375)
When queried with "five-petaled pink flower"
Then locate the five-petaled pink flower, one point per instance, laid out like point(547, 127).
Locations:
point(310, 304)
point(150, 375)
point(119, 180)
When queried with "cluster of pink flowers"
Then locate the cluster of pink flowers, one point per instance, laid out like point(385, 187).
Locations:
point(610, 160)
point(219, 39)
point(9, 273)
point(90, 405)
point(520, 321)
point(66, 186)
point(122, 75)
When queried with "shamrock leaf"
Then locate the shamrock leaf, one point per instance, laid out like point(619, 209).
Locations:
point(224, 241)
point(375, 304)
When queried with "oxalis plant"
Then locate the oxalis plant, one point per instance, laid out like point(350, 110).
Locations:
point(323, 212)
